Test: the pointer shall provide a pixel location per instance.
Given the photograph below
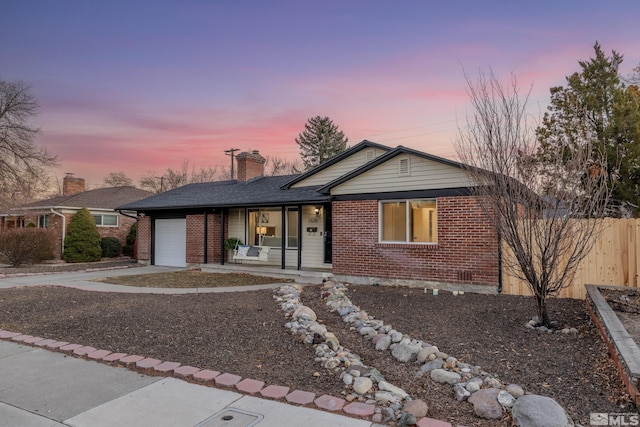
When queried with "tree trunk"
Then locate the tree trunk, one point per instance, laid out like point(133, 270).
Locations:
point(543, 315)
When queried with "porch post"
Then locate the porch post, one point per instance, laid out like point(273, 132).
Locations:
point(222, 219)
point(283, 244)
point(206, 238)
point(299, 237)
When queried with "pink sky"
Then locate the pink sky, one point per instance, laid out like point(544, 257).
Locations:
point(144, 86)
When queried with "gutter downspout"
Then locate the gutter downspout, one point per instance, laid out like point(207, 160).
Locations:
point(124, 214)
point(64, 227)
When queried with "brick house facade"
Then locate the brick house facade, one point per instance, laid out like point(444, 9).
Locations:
point(347, 194)
point(57, 213)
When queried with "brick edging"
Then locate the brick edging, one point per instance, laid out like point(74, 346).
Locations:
point(199, 376)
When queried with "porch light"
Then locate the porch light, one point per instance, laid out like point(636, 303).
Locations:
point(317, 210)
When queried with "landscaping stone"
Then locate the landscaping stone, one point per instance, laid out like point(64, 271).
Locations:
point(515, 390)
point(443, 376)
point(406, 352)
point(227, 379)
point(386, 397)
point(360, 409)
point(532, 410)
point(274, 391)
point(205, 375)
point(385, 386)
point(249, 386)
point(431, 365)
point(185, 371)
point(423, 355)
point(362, 385)
point(383, 343)
point(407, 420)
point(461, 392)
point(417, 407)
point(485, 404)
point(304, 313)
point(300, 397)
point(505, 399)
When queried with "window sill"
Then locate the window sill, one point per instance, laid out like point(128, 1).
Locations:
point(430, 246)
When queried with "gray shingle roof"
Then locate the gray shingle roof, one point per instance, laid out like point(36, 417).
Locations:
point(100, 198)
point(260, 191)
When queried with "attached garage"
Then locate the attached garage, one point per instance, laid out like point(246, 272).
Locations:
point(170, 242)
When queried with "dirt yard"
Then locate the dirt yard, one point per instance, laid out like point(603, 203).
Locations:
point(244, 333)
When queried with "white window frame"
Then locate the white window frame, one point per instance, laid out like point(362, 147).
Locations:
point(102, 220)
point(407, 226)
point(287, 228)
point(43, 221)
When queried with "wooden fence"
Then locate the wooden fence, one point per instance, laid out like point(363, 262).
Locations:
point(613, 260)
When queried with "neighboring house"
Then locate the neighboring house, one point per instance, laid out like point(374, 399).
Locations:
point(372, 214)
point(56, 213)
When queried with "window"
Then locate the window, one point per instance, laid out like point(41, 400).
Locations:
point(43, 221)
point(292, 228)
point(408, 221)
point(265, 227)
point(106, 220)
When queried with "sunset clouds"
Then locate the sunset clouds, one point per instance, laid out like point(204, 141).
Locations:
point(139, 86)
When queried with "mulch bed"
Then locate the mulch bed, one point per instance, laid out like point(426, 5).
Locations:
point(244, 333)
point(191, 279)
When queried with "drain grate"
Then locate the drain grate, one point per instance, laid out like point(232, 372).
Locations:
point(231, 417)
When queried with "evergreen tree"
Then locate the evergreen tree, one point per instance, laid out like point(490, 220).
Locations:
point(320, 141)
point(597, 108)
point(82, 243)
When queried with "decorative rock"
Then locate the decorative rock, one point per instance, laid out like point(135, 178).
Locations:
point(329, 403)
point(425, 352)
point(406, 352)
point(442, 376)
point(395, 336)
point(362, 385)
point(450, 362)
point(347, 379)
point(383, 343)
point(515, 390)
point(417, 408)
point(368, 332)
point(505, 399)
point(407, 420)
point(386, 397)
point(304, 313)
point(434, 364)
point(332, 363)
point(532, 410)
point(472, 386)
point(360, 409)
point(492, 382)
point(442, 355)
point(485, 404)
point(461, 392)
point(385, 386)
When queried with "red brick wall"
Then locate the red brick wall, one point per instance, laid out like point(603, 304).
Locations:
point(466, 242)
point(195, 239)
point(144, 239)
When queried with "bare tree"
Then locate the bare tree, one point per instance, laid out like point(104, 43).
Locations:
point(117, 179)
point(21, 160)
point(548, 221)
point(174, 178)
point(279, 166)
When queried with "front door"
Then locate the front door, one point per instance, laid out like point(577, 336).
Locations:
point(328, 246)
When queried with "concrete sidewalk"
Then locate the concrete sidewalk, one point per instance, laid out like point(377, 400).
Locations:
point(41, 388)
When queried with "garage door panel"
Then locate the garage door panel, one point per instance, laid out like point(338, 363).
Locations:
point(170, 248)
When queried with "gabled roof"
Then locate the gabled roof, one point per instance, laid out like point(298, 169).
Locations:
point(326, 189)
point(260, 191)
point(100, 198)
point(350, 151)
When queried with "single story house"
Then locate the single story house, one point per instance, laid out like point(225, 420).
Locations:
point(56, 213)
point(372, 214)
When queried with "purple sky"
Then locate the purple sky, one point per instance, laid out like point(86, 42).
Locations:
point(136, 86)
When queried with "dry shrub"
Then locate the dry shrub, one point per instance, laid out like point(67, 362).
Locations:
point(26, 246)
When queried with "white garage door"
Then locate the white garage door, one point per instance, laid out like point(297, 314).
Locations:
point(171, 242)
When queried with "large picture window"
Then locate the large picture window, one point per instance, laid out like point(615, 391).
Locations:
point(408, 221)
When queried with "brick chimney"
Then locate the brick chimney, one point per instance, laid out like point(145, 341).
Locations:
point(250, 165)
point(71, 185)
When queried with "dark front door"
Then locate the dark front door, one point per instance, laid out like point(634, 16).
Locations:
point(328, 246)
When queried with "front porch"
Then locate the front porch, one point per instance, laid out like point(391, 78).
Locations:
point(305, 276)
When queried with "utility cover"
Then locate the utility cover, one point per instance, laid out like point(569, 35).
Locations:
point(232, 417)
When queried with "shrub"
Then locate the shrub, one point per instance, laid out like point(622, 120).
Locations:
point(111, 247)
point(131, 240)
point(26, 246)
point(231, 243)
point(82, 243)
